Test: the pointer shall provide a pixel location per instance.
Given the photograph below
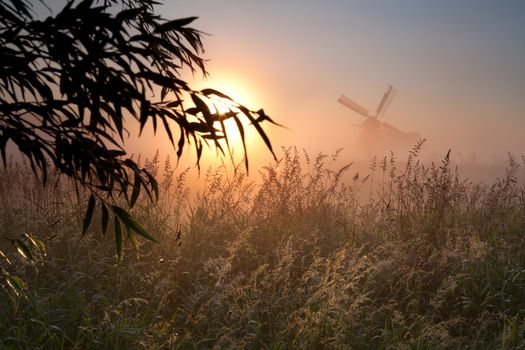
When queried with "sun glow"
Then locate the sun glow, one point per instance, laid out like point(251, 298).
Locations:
point(238, 88)
point(243, 93)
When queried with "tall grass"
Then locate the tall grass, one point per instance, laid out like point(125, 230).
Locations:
point(313, 257)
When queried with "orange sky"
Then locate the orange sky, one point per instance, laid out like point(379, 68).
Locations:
point(460, 69)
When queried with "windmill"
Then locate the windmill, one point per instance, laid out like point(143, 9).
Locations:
point(378, 136)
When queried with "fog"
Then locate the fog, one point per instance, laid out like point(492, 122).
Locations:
point(458, 70)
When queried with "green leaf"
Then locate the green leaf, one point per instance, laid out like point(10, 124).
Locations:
point(132, 238)
point(240, 128)
point(118, 238)
point(89, 214)
point(212, 137)
point(132, 224)
point(199, 127)
point(105, 218)
point(154, 185)
point(174, 25)
point(136, 190)
point(15, 283)
point(167, 128)
point(129, 14)
point(7, 260)
point(209, 92)
point(37, 243)
point(23, 249)
point(18, 282)
point(201, 107)
point(193, 111)
point(174, 104)
point(260, 131)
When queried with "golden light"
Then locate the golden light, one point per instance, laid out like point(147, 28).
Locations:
point(243, 91)
point(239, 91)
point(224, 107)
point(238, 88)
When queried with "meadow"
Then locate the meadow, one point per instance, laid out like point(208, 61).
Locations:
point(314, 256)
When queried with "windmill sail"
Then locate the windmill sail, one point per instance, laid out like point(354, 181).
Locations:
point(376, 137)
point(345, 101)
point(389, 95)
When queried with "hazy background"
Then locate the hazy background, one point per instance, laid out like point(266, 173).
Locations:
point(459, 68)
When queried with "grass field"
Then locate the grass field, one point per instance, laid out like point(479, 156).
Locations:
point(404, 257)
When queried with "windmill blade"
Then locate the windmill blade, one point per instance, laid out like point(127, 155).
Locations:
point(345, 101)
point(389, 95)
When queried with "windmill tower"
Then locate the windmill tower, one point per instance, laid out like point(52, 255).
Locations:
point(377, 137)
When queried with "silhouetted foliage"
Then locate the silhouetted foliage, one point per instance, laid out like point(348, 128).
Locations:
point(69, 84)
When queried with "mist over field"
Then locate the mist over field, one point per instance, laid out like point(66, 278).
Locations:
point(270, 175)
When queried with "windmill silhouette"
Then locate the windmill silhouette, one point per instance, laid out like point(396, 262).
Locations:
point(378, 136)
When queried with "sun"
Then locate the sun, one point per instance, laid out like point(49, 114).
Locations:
point(237, 131)
point(243, 92)
point(238, 88)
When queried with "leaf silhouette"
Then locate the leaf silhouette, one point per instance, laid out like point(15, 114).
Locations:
point(70, 83)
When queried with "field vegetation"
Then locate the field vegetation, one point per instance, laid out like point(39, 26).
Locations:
point(310, 257)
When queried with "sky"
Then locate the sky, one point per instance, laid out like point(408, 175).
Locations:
point(459, 67)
